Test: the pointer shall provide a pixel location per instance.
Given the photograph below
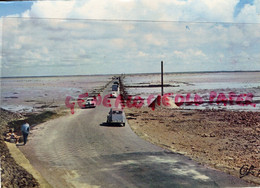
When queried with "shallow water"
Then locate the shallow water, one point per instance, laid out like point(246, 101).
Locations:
point(29, 94)
point(201, 84)
point(34, 93)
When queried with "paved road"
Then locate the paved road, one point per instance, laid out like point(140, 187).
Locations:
point(77, 151)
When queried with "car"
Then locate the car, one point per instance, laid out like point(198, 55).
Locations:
point(90, 103)
point(116, 117)
point(115, 87)
point(113, 94)
point(116, 82)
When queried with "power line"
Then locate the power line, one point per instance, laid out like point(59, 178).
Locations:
point(126, 20)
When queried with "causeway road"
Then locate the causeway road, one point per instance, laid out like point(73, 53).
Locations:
point(79, 150)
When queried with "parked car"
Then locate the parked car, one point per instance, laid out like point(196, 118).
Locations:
point(90, 103)
point(116, 116)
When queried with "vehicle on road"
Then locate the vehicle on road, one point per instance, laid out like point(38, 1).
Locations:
point(116, 116)
point(90, 103)
point(115, 87)
point(116, 82)
point(113, 94)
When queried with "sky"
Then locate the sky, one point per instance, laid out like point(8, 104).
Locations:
point(43, 38)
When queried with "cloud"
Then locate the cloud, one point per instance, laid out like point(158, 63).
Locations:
point(249, 14)
point(191, 58)
point(157, 40)
point(189, 53)
point(83, 44)
point(257, 5)
point(89, 46)
point(176, 10)
point(50, 9)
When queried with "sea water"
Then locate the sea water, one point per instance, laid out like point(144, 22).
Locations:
point(199, 83)
point(28, 94)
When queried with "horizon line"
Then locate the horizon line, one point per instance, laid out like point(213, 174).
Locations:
point(187, 72)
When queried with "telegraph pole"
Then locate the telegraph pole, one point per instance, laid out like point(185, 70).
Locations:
point(162, 77)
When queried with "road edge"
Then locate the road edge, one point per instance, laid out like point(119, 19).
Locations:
point(21, 160)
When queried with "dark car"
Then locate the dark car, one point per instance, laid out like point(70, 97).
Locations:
point(116, 82)
point(114, 87)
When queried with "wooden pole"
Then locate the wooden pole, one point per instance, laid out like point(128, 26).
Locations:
point(162, 76)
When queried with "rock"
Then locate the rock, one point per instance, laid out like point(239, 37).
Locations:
point(230, 158)
point(212, 135)
point(204, 135)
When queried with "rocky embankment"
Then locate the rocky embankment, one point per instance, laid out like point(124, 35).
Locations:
point(12, 175)
point(225, 140)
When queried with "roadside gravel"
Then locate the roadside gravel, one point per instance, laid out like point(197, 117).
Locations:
point(225, 140)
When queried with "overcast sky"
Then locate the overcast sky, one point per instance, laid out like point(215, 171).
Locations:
point(128, 36)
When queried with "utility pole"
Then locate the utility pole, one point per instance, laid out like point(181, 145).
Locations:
point(162, 77)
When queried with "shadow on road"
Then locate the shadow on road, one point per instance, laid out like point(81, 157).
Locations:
point(158, 169)
point(20, 144)
point(154, 169)
point(111, 124)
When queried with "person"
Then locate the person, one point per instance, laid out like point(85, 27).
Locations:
point(11, 136)
point(25, 130)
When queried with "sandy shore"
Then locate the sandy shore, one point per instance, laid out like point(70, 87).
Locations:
point(225, 140)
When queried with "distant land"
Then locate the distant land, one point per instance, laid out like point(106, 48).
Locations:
point(191, 72)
